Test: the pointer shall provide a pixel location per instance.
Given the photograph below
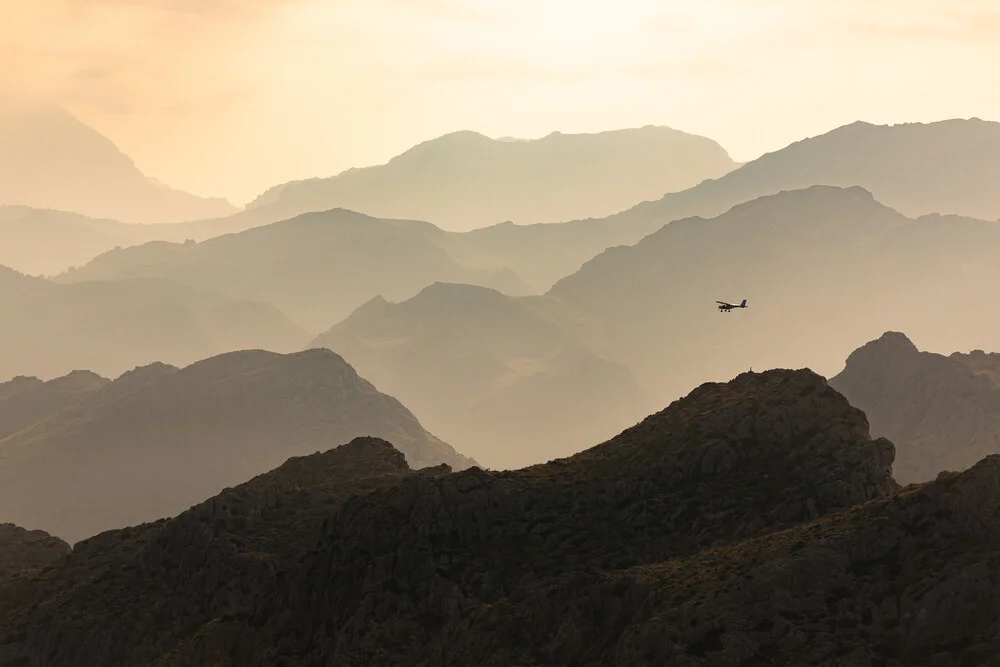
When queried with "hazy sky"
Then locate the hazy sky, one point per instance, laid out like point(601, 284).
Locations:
point(227, 97)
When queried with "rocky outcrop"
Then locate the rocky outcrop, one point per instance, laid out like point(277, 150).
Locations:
point(159, 439)
point(338, 561)
point(942, 412)
point(23, 551)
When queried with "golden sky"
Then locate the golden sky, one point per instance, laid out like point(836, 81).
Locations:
point(228, 97)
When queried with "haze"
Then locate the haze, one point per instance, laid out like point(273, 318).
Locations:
point(224, 98)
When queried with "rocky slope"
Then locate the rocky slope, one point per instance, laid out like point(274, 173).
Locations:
point(158, 439)
point(574, 562)
point(514, 383)
point(25, 551)
point(943, 412)
point(50, 160)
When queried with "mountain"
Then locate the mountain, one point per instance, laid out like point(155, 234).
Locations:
point(23, 551)
point(316, 268)
point(45, 242)
point(28, 400)
point(942, 411)
point(822, 269)
point(159, 439)
point(752, 522)
point(510, 378)
point(916, 168)
point(49, 330)
point(50, 160)
point(465, 180)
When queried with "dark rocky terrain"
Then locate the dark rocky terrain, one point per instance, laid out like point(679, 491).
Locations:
point(159, 439)
point(512, 379)
point(753, 522)
point(943, 412)
point(26, 551)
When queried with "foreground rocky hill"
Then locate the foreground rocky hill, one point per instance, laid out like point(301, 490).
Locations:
point(751, 520)
point(943, 412)
point(159, 439)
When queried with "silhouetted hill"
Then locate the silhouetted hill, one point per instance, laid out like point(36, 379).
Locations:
point(50, 160)
point(510, 378)
point(28, 400)
point(465, 180)
point(822, 269)
point(157, 440)
point(45, 242)
point(317, 268)
point(554, 564)
point(25, 551)
point(48, 329)
point(916, 168)
point(943, 412)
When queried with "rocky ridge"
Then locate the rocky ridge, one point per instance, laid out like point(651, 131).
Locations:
point(560, 563)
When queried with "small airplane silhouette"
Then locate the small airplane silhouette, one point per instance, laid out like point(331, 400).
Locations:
point(726, 307)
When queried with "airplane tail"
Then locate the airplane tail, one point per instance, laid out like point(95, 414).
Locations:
point(743, 304)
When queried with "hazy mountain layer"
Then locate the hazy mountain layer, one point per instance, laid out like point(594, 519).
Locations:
point(823, 269)
point(316, 268)
point(159, 439)
point(465, 180)
point(49, 330)
point(510, 378)
point(946, 167)
point(943, 412)
point(752, 522)
point(50, 160)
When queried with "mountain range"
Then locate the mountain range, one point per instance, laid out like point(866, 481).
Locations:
point(466, 180)
point(752, 522)
point(512, 379)
point(823, 269)
point(316, 268)
point(48, 330)
point(943, 412)
point(81, 454)
point(50, 160)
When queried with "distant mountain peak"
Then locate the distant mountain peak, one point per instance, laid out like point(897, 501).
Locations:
point(49, 159)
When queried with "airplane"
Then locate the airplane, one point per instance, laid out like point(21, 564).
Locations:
point(726, 307)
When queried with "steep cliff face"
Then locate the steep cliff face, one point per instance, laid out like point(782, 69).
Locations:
point(942, 412)
point(415, 567)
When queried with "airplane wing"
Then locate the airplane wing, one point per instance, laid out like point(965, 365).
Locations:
point(723, 303)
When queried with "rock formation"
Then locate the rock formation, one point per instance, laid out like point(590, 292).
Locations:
point(943, 412)
point(25, 551)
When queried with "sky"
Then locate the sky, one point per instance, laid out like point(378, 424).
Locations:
point(228, 97)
